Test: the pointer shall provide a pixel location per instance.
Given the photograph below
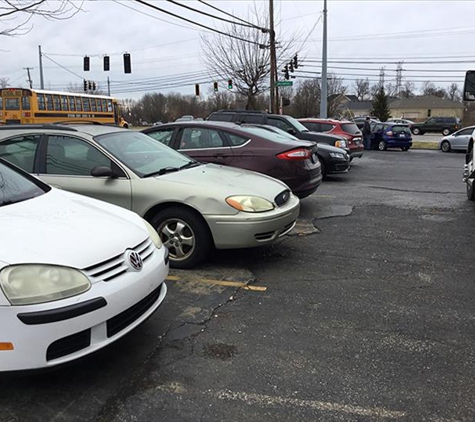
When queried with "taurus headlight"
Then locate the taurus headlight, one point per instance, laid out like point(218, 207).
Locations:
point(28, 284)
point(153, 234)
point(337, 155)
point(341, 143)
point(249, 203)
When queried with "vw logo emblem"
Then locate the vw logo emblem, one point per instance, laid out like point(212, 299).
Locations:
point(135, 260)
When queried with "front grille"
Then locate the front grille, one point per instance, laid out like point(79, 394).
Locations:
point(67, 345)
point(124, 319)
point(114, 267)
point(282, 198)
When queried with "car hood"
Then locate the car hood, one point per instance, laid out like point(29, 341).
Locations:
point(224, 181)
point(63, 228)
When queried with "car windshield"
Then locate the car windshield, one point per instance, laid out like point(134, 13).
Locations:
point(350, 128)
point(143, 154)
point(296, 124)
point(401, 129)
point(15, 187)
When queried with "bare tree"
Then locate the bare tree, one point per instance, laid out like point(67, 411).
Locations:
point(453, 93)
point(429, 88)
point(362, 89)
point(336, 94)
point(407, 90)
point(16, 15)
point(244, 58)
point(4, 82)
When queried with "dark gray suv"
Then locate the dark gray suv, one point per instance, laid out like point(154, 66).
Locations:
point(444, 125)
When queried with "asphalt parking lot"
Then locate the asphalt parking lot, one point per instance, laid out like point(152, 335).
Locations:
point(365, 312)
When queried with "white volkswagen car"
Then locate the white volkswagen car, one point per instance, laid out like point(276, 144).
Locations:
point(76, 273)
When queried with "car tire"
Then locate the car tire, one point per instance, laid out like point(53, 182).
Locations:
point(445, 146)
point(445, 132)
point(382, 146)
point(470, 190)
point(405, 148)
point(185, 234)
point(416, 131)
point(323, 168)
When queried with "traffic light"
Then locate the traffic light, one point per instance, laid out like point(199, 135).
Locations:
point(85, 85)
point(197, 90)
point(286, 71)
point(94, 86)
point(295, 60)
point(86, 64)
point(89, 85)
point(291, 66)
point(127, 65)
point(215, 86)
point(230, 84)
point(107, 63)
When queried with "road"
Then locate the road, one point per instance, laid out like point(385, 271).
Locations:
point(364, 313)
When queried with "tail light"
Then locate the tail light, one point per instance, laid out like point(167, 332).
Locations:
point(299, 154)
point(389, 133)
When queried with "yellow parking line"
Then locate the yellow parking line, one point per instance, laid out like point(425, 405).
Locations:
point(221, 283)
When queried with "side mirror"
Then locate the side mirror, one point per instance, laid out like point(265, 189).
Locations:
point(102, 171)
point(469, 86)
point(291, 131)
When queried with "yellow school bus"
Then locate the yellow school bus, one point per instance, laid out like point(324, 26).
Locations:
point(33, 106)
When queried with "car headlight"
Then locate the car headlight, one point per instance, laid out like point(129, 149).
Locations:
point(341, 143)
point(153, 234)
point(337, 155)
point(249, 203)
point(28, 284)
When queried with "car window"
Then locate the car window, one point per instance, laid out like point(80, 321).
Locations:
point(281, 124)
point(466, 131)
point(21, 151)
point(401, 129)
point(350, 128)
point(312, 126)
point(377, 127)
point(221, 117)
point(236, 140)
point(249, 118)
point(200, 138)
point(71, 156)
point(432, 120)
point(327, 127)
point(15, 187)
point(163, 135)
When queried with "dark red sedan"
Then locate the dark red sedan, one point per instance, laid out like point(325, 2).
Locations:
point(293, 162)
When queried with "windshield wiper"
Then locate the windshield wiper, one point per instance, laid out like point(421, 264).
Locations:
point(163, 170)
point(192, 163)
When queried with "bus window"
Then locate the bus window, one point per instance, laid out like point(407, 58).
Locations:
point(109, 106)
point(78, 104)
point(104, 105)
point(12, 104)
point(93, 104)
point(64, 103)
point(86, 105)
point(25, 103)
point(41, 102)
point(1, 103)
point(57, 102)
point(72, 104)
point(49, 102)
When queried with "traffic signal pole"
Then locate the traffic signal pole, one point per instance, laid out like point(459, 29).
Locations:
point(324, 84)
point(274, 95)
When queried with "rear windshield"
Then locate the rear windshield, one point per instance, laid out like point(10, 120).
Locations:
point(350, 128)
point(400, 129)
point(219, 117)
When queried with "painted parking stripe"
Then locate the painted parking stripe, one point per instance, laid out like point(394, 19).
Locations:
point(225, 283)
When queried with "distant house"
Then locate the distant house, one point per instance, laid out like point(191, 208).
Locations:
point(424, 106)
point(416, 108)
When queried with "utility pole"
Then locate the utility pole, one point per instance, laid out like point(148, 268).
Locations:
point(324, 84)
point(273, 61)
point(42, 83)
point(108, 87)
point(29, 76)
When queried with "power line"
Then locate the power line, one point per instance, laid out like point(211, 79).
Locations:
point(216, 17)
point(196, 23)
point(224, 12)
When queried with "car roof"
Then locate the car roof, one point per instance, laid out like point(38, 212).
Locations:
point(91, 129)
point(318, 119)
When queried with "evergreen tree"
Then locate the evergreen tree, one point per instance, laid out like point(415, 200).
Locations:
point(380, 106)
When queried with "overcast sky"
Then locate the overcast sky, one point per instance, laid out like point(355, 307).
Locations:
point(165, 51)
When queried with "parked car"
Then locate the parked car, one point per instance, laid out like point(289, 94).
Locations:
point(193, 206)
point(286, 123)
point(402, 121)
point(386, 135)
point(444, 125)
point(185, 118)
point(457, 141)
point(344, 128)
point(333, 160)
point(76, 274)
point(251, 148)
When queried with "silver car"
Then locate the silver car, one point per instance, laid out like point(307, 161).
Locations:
point(193, 206)
point(457, 141)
